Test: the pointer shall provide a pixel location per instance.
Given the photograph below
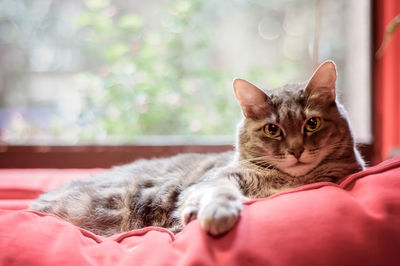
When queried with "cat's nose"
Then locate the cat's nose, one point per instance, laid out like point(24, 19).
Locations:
point(296, 152)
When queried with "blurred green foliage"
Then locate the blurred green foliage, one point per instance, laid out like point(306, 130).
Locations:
point(153, 81)
point(147, 68)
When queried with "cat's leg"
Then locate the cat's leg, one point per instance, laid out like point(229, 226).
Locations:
point(85, 205)
point(215, 203)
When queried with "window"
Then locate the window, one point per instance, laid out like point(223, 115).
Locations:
point(102, 71)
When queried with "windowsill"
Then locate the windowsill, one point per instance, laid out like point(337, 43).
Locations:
point(105, 156)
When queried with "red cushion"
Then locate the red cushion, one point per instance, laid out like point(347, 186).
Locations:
point(18, 187)
point(356, 222)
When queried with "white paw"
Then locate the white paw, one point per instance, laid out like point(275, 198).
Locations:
point(220, 216)
point(189, 214)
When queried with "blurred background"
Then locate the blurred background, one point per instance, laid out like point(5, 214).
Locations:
point(118, 72)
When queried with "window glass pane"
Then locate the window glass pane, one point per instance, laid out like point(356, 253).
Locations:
point(102, 71)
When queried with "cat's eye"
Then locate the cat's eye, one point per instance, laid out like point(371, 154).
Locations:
point(272, 131)
point(312, 124)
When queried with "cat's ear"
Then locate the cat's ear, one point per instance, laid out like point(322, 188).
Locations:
point(321, 87)
point(252, 99)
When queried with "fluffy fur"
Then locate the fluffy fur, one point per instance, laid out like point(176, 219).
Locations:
point(171, 192)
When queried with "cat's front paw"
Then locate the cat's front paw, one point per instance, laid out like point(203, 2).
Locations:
point(189, 214)
point(219, 217)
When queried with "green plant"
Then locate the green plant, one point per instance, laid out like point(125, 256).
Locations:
point(390, 29)
point(151, 81)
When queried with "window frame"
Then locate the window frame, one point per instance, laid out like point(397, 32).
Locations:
point(101, 156)
point(92, 156)
point(104, 156)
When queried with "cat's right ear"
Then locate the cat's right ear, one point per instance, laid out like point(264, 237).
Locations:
point(252, 99)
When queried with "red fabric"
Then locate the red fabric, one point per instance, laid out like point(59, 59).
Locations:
point(386, 94)
point(356, 222)
point(18, 187)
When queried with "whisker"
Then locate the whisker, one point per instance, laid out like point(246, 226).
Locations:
point(253, 159)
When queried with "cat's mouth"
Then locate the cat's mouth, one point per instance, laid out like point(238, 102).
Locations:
point(298, 168)
point(299, 163)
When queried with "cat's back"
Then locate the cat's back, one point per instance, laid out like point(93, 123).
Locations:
point(190, 166)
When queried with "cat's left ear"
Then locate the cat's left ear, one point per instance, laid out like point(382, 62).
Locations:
point(322, 85)
point(252, 99)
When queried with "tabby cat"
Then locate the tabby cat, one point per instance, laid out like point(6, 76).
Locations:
point(290, 136)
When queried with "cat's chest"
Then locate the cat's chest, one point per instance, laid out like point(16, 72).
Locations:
point(263, 183)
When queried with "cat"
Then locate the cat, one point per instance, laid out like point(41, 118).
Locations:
point(290, 136)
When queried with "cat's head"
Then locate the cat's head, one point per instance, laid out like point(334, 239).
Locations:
point(295, 127)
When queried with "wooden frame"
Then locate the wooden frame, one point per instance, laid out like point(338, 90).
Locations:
point(92, 156)
point(103, 156)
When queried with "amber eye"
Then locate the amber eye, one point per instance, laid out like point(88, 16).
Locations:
point(312, 124)
point(272, 131)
